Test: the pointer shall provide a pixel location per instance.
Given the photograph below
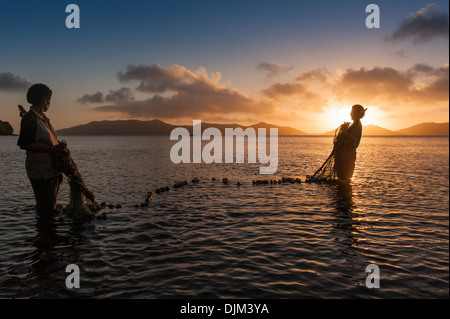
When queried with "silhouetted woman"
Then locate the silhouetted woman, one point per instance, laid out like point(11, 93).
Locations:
point(39, 139)
point(341, 162)
point(345, 150)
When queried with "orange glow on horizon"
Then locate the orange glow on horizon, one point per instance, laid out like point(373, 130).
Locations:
point(339, 114)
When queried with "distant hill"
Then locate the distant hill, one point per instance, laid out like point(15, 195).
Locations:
point(128, 127)
point(423, 129)
point(6, 128)
point(282, 130)
point(440, 129)
point(157, 127)
point(371, 130)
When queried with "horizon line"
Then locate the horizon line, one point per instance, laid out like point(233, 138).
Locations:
point(262, 122)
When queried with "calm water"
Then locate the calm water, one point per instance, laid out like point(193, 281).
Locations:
point(211, 240)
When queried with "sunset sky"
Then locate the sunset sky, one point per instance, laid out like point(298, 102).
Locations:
point(294, 63)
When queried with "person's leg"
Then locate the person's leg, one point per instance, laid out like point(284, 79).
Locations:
point(349, 165)
point(46, 194)
point(339, 164)
point(345, 163)
point(349, 171)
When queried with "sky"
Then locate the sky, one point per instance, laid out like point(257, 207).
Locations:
point(291, 63)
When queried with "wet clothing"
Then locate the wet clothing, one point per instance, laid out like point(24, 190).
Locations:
point(345, 158)
point(46, 194)
point(45, 180)
point(37, 128)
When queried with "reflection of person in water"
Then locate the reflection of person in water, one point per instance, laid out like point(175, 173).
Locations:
point(345, 155)
point(39, 139)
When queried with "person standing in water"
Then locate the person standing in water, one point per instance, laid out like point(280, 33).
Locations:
point(39, 139)
point(345, 155)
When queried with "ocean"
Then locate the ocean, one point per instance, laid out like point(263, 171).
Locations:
point(215, 240)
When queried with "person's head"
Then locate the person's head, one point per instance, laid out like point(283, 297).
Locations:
point(358, 112)
point(39, 95)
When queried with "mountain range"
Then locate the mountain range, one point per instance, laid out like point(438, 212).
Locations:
point(157, 127)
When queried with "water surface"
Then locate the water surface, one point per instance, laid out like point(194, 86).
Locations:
point(212, 240)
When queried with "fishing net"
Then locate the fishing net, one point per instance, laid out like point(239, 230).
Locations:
point(78, 208)
point(327, 172)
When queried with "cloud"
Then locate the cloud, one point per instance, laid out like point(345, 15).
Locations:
point(120, 95)
point(179, 92)
point(423, 69)
point(187, 105)
point(308, 90)
point(155, 78)
point(278, 91)
point(437, 89)
point(370, 85)
point(419, 86)
point(12, 83)
point(422, 26)
point(91, 98)
point(297, 95)
point(272, 69)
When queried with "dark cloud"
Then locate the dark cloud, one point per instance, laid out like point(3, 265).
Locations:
point(423, 69)
point(91, 98)
point(156, 79)
point(182, 93)
point(12, 83)
point(423, 25)
point(120, 95)
point(188, 105)
point(272, 69)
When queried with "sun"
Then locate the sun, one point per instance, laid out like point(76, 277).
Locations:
point(338, 114)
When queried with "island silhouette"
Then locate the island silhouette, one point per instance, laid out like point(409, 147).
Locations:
point(157, 127)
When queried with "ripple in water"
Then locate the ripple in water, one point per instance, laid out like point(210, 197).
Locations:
point(212, 240)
